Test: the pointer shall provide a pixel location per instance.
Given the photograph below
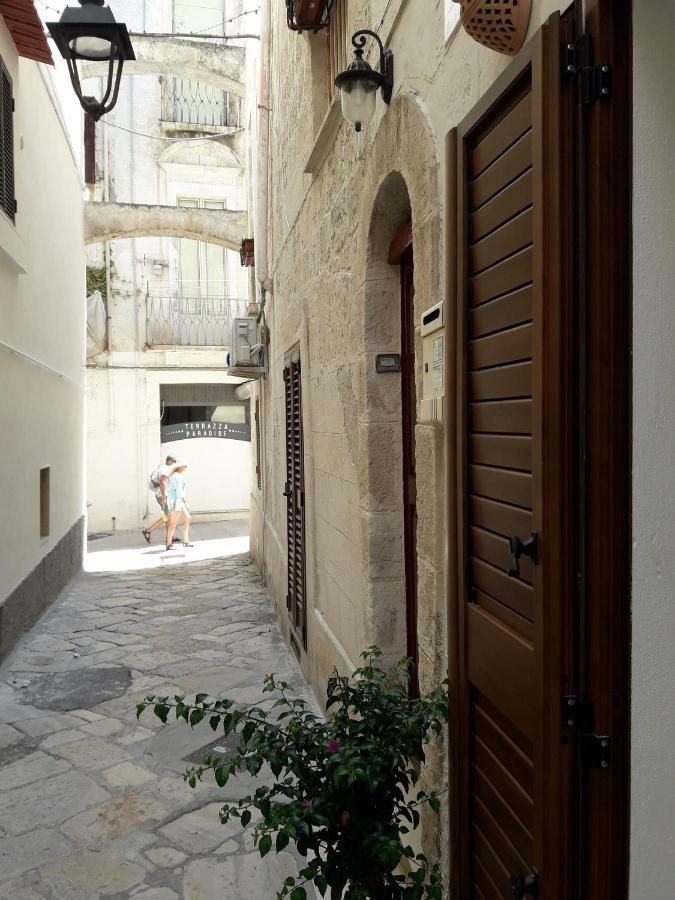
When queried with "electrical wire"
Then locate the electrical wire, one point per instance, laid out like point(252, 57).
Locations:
point(156, 137)
point(219, 24)
point(384, 16)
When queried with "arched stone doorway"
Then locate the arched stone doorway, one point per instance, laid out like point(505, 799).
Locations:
point(402, 171)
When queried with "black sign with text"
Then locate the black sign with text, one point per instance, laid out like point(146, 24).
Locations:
point(185, 431)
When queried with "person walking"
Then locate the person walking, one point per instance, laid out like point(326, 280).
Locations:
point(178, 508)
point(159, 483)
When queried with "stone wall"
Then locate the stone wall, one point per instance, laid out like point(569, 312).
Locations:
point(333, 213)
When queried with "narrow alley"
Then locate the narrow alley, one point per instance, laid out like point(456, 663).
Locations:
point(94, 804)
point(336, 345)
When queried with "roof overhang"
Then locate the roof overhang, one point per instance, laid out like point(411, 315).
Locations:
point(26, 29)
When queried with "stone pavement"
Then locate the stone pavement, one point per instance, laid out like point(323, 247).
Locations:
point(92, 803)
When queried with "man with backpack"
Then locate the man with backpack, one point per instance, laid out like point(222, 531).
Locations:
point(158, 481)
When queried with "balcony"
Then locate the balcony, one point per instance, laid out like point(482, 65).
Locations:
point(190, 106)
point(191, 321)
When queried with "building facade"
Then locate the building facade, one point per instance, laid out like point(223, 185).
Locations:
point(42, 295)
point(168, 298)
point(382, 512)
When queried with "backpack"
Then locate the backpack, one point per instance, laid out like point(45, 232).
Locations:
point(153, 479)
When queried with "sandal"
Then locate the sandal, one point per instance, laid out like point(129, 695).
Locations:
point(170, 547)
point(146, 535)
point(187, 544)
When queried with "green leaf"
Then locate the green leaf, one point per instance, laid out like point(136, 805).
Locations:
point(162, 712)
point(282, 840)
point(221, 775)
point(265, 844)
point(321, 884)
point(140, 709)
point(299, 894)
point(196, 716)
point(246, 817)
point(214, 722)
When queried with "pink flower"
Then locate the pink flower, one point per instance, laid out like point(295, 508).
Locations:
point(333, 746)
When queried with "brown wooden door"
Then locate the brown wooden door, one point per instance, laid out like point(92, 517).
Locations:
point(511, 772)
point(294, 491)
point(409, 420)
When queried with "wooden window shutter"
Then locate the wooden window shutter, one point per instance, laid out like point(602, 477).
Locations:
point(511, 772)
point(258, 445)
point(7, 199)
point(295, 495)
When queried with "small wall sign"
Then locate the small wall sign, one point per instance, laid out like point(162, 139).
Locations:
point(388, 362)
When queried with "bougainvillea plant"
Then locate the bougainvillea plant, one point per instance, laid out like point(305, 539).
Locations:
point(343, 790)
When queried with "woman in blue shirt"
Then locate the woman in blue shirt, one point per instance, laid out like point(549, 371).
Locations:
point(178, 508)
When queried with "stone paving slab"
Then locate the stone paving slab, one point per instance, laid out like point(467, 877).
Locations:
point(93, 802)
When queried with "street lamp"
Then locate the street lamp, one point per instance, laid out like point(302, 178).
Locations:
point(360, 82)
point(91, 34)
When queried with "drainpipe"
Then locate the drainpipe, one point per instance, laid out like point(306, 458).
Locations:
point(108, 285)
point(261, 217)
point(137, 338)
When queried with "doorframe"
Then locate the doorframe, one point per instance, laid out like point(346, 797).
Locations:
point(408, 423)
point(609, 438)
point(608, 490)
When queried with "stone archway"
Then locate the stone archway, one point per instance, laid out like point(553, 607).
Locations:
point(110, 221)
point(402, 173)
point(220, 67)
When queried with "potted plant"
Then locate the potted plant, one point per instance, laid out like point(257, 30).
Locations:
point(343, 789)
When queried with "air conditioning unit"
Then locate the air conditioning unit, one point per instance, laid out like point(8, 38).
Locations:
point(248, 356)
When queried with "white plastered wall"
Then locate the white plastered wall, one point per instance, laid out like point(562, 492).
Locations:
point(41, 329)
point(123, 447)
point(653, 649)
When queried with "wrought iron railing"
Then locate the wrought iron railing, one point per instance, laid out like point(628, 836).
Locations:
point(188, 102)
point(191, 321)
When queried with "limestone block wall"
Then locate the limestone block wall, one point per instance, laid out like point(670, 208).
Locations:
point(333, 213)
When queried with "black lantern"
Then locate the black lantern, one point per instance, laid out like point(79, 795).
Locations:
point(360, 82)
point(91, 34)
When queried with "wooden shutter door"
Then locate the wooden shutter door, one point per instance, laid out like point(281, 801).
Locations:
point(511, 771)
point(295, 496)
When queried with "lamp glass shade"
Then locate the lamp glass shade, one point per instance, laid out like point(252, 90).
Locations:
point(358, 98)
point(91, 47)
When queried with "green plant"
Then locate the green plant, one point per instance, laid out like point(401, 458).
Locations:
point(341, 787)
point(96, 280)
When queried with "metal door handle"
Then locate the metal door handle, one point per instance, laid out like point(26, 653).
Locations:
point(525, 885)
point(519, 548)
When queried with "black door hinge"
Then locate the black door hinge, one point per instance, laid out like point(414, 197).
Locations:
point(595, 79)
point(577, 715)
point(597, 750)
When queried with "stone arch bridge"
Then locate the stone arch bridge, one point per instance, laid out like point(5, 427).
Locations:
point(110, 221)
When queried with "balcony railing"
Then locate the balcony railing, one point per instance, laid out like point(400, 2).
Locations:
point(191, 321)
point(186, 102)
